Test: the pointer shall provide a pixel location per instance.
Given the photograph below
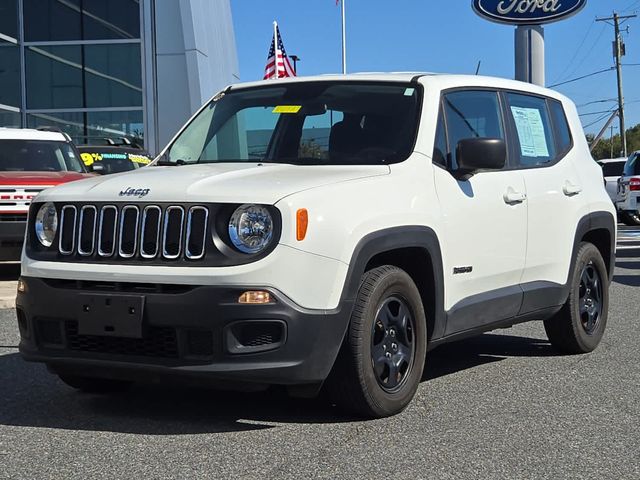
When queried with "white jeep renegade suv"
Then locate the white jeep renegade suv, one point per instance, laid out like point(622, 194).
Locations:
point(325, 231)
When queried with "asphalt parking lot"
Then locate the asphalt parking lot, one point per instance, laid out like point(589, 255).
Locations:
point(500, 406)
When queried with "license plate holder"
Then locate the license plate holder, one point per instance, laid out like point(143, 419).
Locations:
point(110, 315)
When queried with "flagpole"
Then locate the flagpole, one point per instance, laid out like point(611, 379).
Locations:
point(344, 38)
point(275, 43)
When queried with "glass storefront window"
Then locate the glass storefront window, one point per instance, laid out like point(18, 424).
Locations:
point(71, 123)
point(101, 125)
point(9, 119)
point(113, 75)
point(111, 19)
point(9, 18)
point(56, 20)
point(54, 77)
point(51, 20)
point(9, 74)
point(93, 128)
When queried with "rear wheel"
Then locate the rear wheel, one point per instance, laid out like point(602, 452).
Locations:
point(382, 358)
point(95, 385)
point(580, 325)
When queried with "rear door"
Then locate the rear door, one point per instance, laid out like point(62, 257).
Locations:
point(485, 217)
point(554, 193)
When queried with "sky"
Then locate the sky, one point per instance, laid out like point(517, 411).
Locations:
point(443, 36)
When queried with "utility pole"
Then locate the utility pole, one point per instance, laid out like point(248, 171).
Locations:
point(619, 52)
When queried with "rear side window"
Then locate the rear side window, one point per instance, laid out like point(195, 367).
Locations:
point(471, 114)
point(534, 130)
point(561, 127)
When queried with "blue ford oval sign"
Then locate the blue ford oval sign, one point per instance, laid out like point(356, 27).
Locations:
point(527, 12)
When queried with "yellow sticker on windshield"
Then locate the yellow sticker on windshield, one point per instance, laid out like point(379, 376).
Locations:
point(287, 109)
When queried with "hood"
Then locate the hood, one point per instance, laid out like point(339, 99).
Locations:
point(225, 182)
point(39, 178)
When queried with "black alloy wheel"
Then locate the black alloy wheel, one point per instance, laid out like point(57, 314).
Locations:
point(590, 298)
point(393, 344)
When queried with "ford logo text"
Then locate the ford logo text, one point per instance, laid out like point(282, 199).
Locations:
point(527, 12)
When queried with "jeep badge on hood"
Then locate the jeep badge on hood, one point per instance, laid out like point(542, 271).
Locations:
point(134, 192)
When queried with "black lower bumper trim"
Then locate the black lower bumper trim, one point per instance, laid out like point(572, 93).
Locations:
point(200, 331)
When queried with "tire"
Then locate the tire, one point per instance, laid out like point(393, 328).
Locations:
point(383, 386)
point(631, 219)
point(579, 326)
point(95, 385)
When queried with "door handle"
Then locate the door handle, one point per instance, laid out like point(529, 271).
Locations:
point(571, 189)
point(512, 197)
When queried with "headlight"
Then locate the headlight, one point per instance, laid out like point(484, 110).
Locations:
point(46, 224)
point(251, 228)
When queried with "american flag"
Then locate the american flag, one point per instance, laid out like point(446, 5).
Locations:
point(278, 59)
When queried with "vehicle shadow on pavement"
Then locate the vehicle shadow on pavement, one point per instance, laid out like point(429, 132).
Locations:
point(32, 397)
point(473, 352)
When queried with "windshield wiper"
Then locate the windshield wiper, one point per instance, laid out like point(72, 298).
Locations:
point(168, 163)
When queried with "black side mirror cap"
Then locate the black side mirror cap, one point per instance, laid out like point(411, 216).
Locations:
point(475, 154)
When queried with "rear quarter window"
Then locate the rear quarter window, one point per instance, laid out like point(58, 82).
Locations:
point(561, 127)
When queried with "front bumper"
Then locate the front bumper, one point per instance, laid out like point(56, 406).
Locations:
point(11, 240)
point(199, 332)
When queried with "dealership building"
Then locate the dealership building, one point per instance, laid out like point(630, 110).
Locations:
point(100, 69)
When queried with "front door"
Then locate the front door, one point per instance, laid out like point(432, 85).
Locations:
point(484, 217)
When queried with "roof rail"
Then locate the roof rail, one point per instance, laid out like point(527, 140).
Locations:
point(54, 130)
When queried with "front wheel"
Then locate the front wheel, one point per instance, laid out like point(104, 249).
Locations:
point(380, 365)
point(580, 325)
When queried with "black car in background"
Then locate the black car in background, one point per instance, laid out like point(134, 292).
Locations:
point(106, 159)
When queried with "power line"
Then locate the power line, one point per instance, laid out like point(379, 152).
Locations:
point(595, 113)
point(583, 77)
point(575, 55)
point(589, 50)
point(597, 101)
point(606, 115)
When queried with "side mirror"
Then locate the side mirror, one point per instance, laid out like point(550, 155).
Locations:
point(475, 154)
point(97, 168)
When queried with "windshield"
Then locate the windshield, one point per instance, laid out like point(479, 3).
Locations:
point(333, 123)
point(38, 156)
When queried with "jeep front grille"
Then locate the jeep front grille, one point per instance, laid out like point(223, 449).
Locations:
point(131, 231)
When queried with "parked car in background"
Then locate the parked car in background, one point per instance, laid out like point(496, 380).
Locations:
point(612, 171)
point(113, 159)
point(30, 161)
point(628, 198)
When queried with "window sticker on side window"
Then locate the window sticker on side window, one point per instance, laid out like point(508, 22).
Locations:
point(533, 142)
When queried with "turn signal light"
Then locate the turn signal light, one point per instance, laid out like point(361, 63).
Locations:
point(22, 286)
point(302, 222)
point(255, 297)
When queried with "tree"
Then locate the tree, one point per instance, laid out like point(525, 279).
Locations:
point(603, 149)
